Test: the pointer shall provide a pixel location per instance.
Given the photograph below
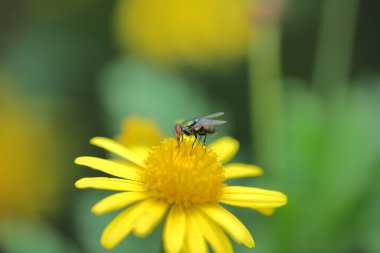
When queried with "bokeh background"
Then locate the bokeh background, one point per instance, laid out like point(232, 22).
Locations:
point(299, 82)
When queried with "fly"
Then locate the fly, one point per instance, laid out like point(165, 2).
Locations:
point(201, 126)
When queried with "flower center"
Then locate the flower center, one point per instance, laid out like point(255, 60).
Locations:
point(183, 175)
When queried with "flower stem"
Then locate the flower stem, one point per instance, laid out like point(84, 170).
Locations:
point(335, 45)
point(162, 249)
point(265, 90)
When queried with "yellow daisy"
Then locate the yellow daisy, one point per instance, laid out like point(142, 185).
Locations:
point(139, 134)
point(27, 187)
point(187, 184)
point(199, 32)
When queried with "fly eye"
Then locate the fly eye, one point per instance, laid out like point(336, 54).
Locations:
point(177, 130)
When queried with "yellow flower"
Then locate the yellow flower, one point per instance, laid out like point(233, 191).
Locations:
point(137, 131)
point(27, 187)
point(187, 183)
point(139, 134)
point(170, 31)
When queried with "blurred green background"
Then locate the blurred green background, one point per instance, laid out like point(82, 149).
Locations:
point(299, 82)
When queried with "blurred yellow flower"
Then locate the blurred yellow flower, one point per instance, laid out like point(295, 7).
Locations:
point(188, 183)
point(198, 32)
point(139, 134)
point(27, 183)
point(138, 131)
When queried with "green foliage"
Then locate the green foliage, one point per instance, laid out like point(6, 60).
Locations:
point(25, 236)
point(329, 168)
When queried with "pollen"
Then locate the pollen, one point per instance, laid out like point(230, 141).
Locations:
point(183, 174)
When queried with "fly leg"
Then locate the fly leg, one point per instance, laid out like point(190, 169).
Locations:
point(196, 138)
point(204, 143)
point(192, 146)
point(204, 140)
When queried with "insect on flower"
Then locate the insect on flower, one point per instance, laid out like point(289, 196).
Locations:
point(164, 185)
point(200, 126)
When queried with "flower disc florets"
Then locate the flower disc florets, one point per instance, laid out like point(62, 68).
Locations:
point(183, 174)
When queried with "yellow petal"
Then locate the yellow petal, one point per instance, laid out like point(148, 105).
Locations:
point(117, 201)
point(130, 165)
point(142, 151)
point(150, 219)
point(194, 239)
point(106, 183)
point(109, 167)
point(117, 149)
point(213, 234)
point(225, 148)
point(250, 190)
point(229, 223)
point(251, 205)
point(264, 211)
point(174, 230)
point(239, 170)
point(122, 224)
point(252, 197)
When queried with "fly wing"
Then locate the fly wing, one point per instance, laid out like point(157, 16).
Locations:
point(214, 115)
point(208, 122)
